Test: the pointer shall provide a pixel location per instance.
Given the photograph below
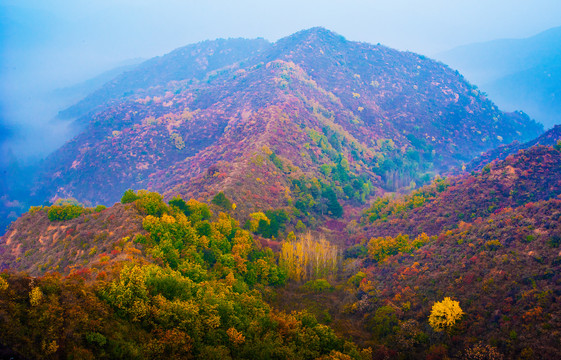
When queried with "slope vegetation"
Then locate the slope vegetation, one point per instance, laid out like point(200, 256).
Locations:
point(549, 138)
point(530, 175)
point(492, 245)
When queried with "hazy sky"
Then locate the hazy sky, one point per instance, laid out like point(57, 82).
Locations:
point(47, 44)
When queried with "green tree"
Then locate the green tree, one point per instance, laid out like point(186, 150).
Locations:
point(333, 205)
point(64, 212)
point(221, 200)
point(129, 196)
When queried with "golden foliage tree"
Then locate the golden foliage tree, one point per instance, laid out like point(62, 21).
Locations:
point(445, 314)
point(308, 258)
point(3, 284)
point(35, 296)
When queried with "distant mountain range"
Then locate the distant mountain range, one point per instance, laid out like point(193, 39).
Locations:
point(81, 90)
point(518, 74)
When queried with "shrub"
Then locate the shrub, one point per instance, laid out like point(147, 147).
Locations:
point(554, 241)
point(356, 251)
point(381, 248)
point(356, 279)
point(384, 322)
point(493, 244)
point(482, 351)
point(64, 212)
point(276, 161)
point(300, 227)
point(34, 209)
point(318, 285)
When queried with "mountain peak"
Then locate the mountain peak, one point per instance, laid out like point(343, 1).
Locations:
point(312, 35)
point(318, 31)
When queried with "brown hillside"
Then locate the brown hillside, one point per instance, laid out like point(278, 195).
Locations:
point(35, 244)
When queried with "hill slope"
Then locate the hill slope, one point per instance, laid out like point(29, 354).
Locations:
point(527, 176)
point(183, 271)
point(185, 287)
point(500, 261)
point(549, 138)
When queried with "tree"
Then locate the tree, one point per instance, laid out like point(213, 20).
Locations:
point(129, 196)
point(221, 200)
point(309, 258)
point(3, 284)
point(445, 314)
point(64, 212)
point(333, 205)
point(255, 218)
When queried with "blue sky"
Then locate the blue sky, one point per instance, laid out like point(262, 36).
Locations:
point(48, 44)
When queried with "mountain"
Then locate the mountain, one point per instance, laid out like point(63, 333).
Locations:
point(530, 175)
point(310, 123)
point(519, 74)
point(77, 92)
point(280, 228)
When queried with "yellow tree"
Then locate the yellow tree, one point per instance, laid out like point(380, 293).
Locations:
point(308, 258)
point(445, 314)
point(255, 218)
point(242, 247)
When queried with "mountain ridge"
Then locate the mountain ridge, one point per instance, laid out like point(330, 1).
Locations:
point(549, 138)
point(160, 70)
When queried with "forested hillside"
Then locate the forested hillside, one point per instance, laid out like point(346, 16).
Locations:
point(289, 201)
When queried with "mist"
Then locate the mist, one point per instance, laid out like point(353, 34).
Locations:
point(48, 46)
